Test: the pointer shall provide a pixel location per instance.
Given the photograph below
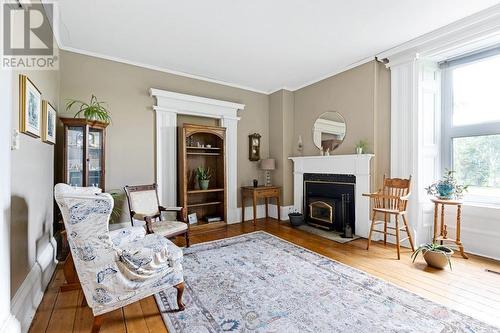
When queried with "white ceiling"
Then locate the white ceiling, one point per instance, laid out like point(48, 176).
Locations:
point(258, 44)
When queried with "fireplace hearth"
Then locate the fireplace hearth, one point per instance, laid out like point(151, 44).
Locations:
point(329, 201)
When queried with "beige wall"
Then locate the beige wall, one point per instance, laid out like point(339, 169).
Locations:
point(32, 177)
point(130, 138)
point(362, 96)
point(281, 141)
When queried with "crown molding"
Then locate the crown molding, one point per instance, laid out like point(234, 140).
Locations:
point(159, 69)
point(471, 33)
point(326, 76)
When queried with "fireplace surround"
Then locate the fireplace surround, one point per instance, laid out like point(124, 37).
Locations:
point(356, 166)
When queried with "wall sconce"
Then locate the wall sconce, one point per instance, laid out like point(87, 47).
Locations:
point(254, 147)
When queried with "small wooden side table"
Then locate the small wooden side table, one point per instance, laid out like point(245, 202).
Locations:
point(443, 233)
point(256, 193)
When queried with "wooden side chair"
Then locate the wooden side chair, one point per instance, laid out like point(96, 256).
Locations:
point(144, 206)
point(392, 200)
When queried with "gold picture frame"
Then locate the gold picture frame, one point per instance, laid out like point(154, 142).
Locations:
point(49, 118)
point(30, 107)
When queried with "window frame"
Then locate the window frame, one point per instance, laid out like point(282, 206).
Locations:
point(450, 131)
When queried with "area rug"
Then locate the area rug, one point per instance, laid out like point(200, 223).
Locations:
point(328, 234)
point(260, 283)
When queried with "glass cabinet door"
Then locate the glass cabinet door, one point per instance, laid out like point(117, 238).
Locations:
point(95, 157)
point(74, 155)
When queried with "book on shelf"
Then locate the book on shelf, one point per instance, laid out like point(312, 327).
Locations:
point(213, 219)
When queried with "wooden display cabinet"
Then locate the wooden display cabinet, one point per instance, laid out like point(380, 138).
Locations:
point(201, 145)
point(84, 152)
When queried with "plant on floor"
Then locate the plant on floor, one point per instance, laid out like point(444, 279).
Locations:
point(94, 110)
point(448, 187)
point(296, 217)
point(203, 175)
point(436, 255)
point(118, 198)
point(361, 146)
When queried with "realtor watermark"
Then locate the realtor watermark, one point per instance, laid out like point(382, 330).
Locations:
point(27, 38)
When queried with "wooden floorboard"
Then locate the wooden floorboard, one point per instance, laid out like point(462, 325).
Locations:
point(467, 288)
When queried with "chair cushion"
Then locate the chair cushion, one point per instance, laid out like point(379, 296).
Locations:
point(167, 228)
point(126, 235)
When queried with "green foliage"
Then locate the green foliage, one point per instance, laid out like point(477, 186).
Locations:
point(477, 160)
point(434, 247)
point(118, 197)
point(448, 178)
point(363, 144)
point(202, 173)
point(91, 111)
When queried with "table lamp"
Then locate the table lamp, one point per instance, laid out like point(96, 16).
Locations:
point(268, 164)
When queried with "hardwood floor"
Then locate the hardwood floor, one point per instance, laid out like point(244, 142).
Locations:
point(468, 288)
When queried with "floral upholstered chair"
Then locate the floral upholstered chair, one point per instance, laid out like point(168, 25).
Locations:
point(119, 267)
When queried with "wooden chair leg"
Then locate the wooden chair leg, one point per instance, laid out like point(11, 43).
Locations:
point(180, 291)
point(187, 238)
point(385, 228)
point(397, 236)
point(371, 230)
point(96, 324)
point(70, 275)
point(410, 239)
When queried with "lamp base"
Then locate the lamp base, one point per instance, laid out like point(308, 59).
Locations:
point(268, 178)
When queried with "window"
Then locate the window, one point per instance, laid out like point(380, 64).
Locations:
point(471, 120)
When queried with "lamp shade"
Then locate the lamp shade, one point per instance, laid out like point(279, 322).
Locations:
point(268, 164)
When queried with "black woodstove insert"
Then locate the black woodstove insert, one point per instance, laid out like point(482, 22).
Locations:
point(329, 201)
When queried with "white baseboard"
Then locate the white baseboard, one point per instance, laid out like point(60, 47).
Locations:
point(261, 212)
point(29, 295)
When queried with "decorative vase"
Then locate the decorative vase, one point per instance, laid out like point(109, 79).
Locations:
point(204, 184)
point(359, 150)
point(437, 259)
point(445, 190)
point(296, 219)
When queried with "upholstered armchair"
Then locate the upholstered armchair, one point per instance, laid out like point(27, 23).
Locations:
point(119, 267)
point(144, 206)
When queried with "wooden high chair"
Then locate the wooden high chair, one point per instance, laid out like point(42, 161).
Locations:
point(392, 200)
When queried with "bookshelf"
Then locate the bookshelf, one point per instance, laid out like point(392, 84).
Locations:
point(203, 146)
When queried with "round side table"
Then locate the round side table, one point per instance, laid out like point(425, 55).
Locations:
point(443, 233)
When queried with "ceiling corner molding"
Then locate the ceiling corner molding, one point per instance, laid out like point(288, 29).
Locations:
point(324, 77)
point(159, 69)
point(466, 35)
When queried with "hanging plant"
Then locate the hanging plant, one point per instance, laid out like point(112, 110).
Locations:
point(94, 110)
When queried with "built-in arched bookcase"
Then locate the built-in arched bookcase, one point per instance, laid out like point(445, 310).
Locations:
point(203, 146)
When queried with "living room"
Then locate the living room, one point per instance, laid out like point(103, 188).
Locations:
point(270, 167)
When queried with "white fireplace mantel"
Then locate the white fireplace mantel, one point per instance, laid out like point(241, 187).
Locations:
point(357, 165)
point(168, 105)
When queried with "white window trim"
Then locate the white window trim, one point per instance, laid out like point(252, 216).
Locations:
point(449, 132)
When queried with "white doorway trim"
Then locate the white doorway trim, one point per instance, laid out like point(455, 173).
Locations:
point(168, 105)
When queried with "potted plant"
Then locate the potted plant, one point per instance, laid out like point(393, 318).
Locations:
point(203, 175)
point(435, 255)
point(361, 146)
point(118, 197)
point(94, 110)
point(296, 218)
point(447, 188)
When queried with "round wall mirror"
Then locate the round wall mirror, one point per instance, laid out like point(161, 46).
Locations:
point(329, 130)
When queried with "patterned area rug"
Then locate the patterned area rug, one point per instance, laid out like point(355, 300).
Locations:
point(260, 283)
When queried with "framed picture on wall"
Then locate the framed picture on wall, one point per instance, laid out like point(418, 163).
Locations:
point(49, 116)
point(30, 107)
